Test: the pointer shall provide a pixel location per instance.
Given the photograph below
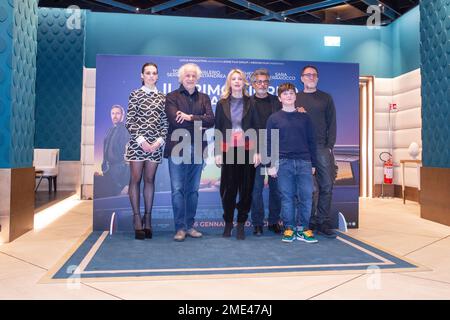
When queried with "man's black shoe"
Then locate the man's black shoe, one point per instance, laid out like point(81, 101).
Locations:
point(325, 231)
point(313, 227)
point(275, 228)
point(258, 231)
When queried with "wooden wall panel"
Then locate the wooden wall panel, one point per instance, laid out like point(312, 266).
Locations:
point(435, 194)
point(22, 201)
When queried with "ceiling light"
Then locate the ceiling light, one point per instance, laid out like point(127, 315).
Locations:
point(332, 41)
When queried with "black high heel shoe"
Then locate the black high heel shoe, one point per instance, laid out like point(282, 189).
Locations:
point(240, 231)
point(227, 230)
point(139, 234)
point(147, 225)
point(148, 233)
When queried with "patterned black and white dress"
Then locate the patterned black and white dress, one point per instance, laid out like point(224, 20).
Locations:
point(146, 121)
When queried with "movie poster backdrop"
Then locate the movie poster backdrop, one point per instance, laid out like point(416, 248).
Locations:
point(117, 76)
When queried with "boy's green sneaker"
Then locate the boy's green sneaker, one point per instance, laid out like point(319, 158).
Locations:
point(288, 235)
point(306, 236)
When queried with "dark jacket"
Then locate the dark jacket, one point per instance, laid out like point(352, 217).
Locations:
point(276, 106)
point(250, 120)
point(114, 145)
point(320, 107)
point(197, 104)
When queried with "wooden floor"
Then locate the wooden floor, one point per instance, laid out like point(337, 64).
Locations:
point(45, 199)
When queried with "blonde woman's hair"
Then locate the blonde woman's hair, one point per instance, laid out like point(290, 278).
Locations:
point(227, 90)
point(188, 66)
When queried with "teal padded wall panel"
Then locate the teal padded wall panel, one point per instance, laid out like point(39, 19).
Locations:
point(23, 83)
point(18, 42)
point(184, 36)
point(435, 69)
point(59, 83)
point(6, 42)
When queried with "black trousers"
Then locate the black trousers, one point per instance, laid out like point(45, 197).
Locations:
point(237, 177)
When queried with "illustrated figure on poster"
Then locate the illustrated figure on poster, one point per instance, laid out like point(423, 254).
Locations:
point(320, 107)
point(295, 166)
point(189, 110)
point(234, 116)
point(265, 104)
point(114, 180)
point(147, 124)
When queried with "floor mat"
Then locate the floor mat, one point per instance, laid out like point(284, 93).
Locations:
point(119, 257)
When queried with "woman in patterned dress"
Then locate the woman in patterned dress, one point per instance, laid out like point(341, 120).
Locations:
point(147, 124)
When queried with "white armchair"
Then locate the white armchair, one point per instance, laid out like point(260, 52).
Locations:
point(46, 165)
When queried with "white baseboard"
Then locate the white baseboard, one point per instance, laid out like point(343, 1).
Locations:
point(87, 192)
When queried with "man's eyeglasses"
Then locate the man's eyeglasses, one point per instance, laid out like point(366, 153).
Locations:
point(260, 82)
point(310, 75)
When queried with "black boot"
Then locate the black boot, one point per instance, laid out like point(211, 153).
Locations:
point(147, 225)
point(258, 231)
point(137, 223)
point(227, 230)
point(275, 228)
point(240, 232)
point(325, 230)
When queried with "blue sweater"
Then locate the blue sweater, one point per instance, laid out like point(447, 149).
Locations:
point(296, 133)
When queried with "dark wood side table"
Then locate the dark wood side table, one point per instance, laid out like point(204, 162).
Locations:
point(418, 164)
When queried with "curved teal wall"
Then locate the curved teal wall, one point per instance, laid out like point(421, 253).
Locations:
point(380, 52)
point(406, 42)
point(109, 33)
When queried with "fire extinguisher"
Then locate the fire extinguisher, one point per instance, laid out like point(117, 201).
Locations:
point(388, 168)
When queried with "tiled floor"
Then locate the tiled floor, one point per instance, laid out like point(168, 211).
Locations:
point(386, 223)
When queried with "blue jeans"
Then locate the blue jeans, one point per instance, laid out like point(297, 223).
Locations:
point(258, 203)
point(323, 186)
point(295, 182)
point(185, 182)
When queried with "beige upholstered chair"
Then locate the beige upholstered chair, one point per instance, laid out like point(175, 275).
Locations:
point(46, 165)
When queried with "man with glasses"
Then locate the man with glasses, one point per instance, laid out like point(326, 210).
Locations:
point(320, 107)
point(265, 104)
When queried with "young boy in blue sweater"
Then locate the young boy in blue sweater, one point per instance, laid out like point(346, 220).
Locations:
point(296, 164)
